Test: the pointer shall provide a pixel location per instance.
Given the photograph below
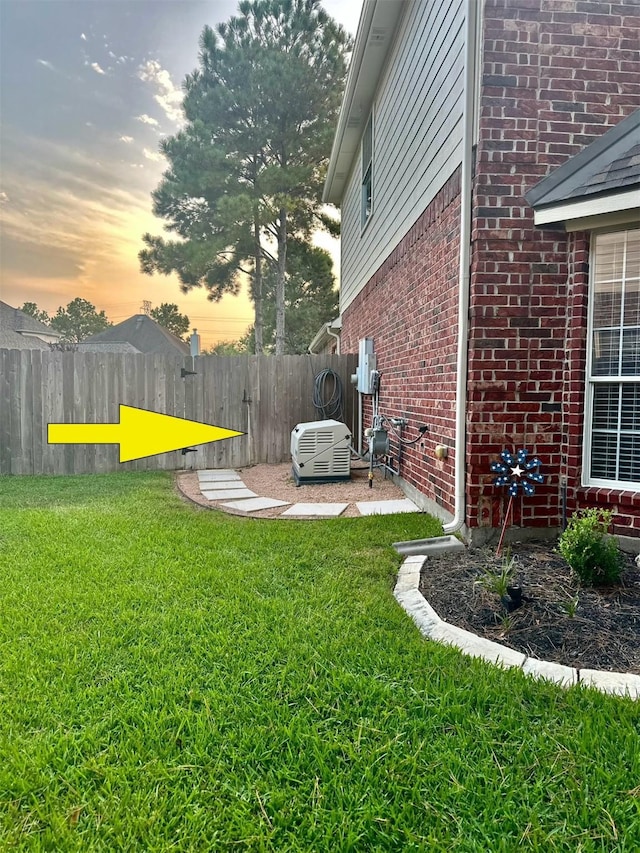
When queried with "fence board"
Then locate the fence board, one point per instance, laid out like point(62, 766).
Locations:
point(5, 408)
point(261, 396)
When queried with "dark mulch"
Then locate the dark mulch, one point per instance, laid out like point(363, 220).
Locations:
point(592, 628)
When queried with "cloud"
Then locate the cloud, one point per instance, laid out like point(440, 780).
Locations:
point(46, 64)
point(83, 37)
point(152, 155)
point(126, 139)
point(97, 68)
point(145, 119)
point(4, 198)
point(168, 95)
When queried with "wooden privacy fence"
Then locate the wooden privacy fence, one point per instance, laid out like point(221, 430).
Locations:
point(262, 396)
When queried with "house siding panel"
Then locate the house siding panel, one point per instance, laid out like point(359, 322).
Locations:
point(417, 139)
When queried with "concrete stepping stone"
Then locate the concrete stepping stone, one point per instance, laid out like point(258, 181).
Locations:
point(222, 484)
point(386, 507)
point(212, 476)
point(225, 494)
point(318, 509)
point(254, 504)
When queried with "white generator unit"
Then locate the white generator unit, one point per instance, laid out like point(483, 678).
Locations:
point(321, 452)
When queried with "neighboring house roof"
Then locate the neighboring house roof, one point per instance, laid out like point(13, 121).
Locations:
point(108, 346)
point(379, 21)
point(143, 333)
point(12, 340)
point(21, 331)
point(602, 178)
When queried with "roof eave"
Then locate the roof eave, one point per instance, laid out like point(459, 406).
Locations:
point(376, 30)
point(584, 207)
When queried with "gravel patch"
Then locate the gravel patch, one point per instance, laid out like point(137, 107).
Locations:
point(276, 481)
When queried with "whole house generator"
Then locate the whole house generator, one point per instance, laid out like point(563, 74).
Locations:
point(321, 452)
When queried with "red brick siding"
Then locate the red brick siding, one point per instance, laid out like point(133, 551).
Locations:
point(410, 309)
point(556, 75)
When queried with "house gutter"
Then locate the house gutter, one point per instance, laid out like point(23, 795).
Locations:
point(466, 178)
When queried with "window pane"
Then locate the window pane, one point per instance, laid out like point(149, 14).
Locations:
point(629, 458)
point(367, 146)
point(607, 304)
point(604, 356)
point(633, 254)
point(606, 404)
point(632, 303)
point(604, 452)
point(630, 406)
point(631, 352)
point(610, 256)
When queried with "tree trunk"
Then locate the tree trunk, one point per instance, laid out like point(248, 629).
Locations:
point(258, 324)
point(282, 270)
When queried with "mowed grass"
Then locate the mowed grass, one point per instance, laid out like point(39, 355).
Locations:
point(178, 679)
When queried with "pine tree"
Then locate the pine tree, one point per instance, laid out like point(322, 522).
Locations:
point(246, 173)
point(311, 299)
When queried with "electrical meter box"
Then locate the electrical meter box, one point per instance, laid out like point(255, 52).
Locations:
point(366, 366)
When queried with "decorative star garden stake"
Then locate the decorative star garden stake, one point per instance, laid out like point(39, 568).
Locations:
point(518, 473)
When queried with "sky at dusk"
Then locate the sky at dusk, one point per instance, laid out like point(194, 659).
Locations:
point(87, 90)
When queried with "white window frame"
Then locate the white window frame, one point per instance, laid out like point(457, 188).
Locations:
point(609, 379)
point(366, 176)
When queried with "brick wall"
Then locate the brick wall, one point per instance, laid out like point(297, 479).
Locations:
point(410, 309)
point(556, 75)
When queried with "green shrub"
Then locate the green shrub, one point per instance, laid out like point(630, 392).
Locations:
point(592, 555)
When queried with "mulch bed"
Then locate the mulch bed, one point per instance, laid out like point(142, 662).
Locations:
point(592, 628)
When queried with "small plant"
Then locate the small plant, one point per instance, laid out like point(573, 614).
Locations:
point(592, 554)
point(570, 607)
point(506, 624)
point(497, 582)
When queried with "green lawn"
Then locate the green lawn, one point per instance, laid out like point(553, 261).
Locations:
point(177, 679)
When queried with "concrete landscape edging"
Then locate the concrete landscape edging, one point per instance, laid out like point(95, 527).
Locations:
point(408, 595)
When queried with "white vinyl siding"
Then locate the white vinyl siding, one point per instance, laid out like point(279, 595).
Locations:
point(417, 138)
point(612, 449)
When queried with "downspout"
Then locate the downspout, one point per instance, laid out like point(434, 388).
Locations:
point(466, 177)
point(335, 335)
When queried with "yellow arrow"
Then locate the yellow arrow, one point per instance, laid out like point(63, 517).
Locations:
point(140, 433)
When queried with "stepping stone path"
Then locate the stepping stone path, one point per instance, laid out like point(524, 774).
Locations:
point(254, 504)
point(225, 494)
point(226, 486)
point(315, 510)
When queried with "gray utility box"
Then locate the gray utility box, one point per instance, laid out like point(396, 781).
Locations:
point(321, 452)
